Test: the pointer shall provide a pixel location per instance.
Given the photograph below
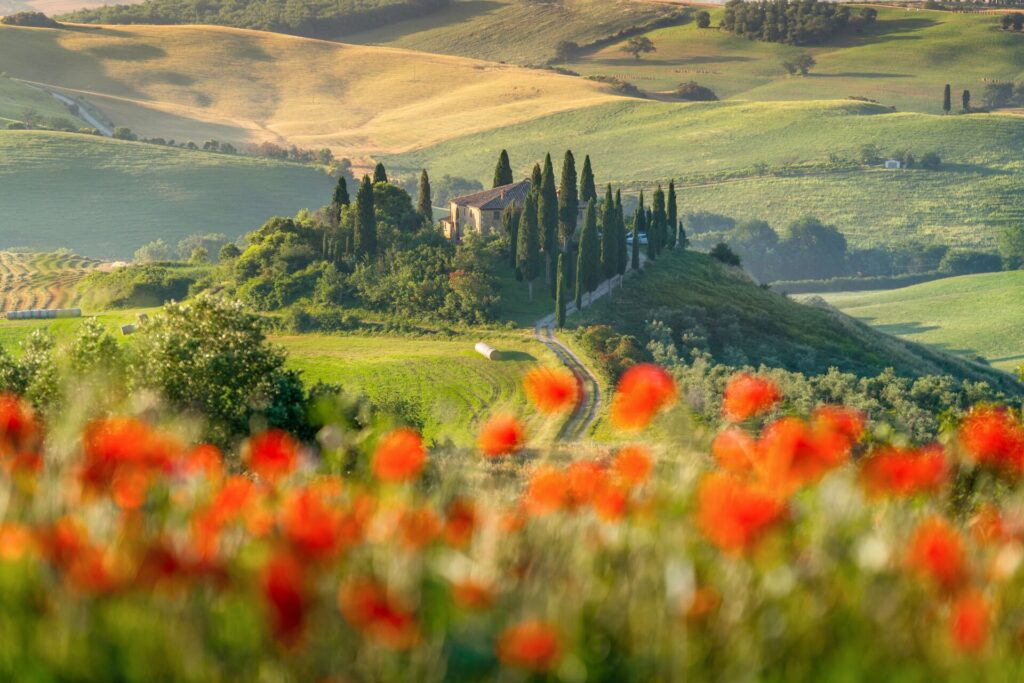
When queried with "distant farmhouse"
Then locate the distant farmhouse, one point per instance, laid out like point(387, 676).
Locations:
point(481, 211)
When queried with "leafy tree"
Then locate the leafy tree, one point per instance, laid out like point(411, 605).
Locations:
point(547, 216)
point(124, 133)
point(424, 206)
point(997, 95)
point(568, 201)
point(450, 187)
point(340, 196)
point(365, 244)
point(639, 45)
point(703, 19)
point(755, 242)
point(588, 269)
point(931, 161)
point(380, 174)
point(528, 250)
point(947, 103)
point(812, 250)
point(639, 228)
point(609, 236)
point(199, 256)
point(801, 64)
point(560, 293)
point(503, 171)
point(228, 252)
point(659, 226)
point(1011, 247)
point(566, 50)
point(210, 242)
point(694, 92)
point(588, 190)
point(510, 226)
point(620, 227)
point(157, 250)
point(722, 252)
point(869, 155)
point(672, 215)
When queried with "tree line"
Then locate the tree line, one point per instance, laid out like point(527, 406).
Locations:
point(797, 22)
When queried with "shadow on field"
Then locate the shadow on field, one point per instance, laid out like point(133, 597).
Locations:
point(904, 328)
point(859, 74)
point(515, 356)
point(886, 30)
point(682, 61)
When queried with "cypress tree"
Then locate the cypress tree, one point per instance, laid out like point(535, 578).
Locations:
point(560, 293)
point(672, 220)
point(659, 226)
point(503, 171)
point(366, 220)
point(379, 174)
point(588, 268)
point(547, 215)
point(588, 190)
point(423, 202)
point(340, 196)
point(965, 100)
point(639, 226)
point(528, 257)
point(568, 201)
point(947, 102)
point(609, 236)
point(510, 224)
point(535, 179)
point(620, 227)
point(683, 241)
point(652, 239)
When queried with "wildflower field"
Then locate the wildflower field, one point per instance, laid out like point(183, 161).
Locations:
point(771, 546)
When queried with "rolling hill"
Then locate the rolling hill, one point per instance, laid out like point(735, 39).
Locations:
point(17, 98)
point(200, 83)
point(41, 280)
point(105, 198)
point(973, 315)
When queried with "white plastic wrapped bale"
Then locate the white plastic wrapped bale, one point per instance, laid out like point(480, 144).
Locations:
point(487, 351)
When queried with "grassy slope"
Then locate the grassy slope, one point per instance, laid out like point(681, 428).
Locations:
point(634, 142)
point(974, 315)
point(105, 198)
point(513, 31)
point(16, 97)
point(905, 60)
point(187, 82)
point(769, 327)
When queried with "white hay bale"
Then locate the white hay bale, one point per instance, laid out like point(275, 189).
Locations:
point(487, 351)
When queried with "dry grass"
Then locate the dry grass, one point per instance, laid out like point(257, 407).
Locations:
point(41, 280)
point(247, 86)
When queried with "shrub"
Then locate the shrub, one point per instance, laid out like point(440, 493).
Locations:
point(722, 252)
point(965, 262)
point(34, 19)
point(692, 91)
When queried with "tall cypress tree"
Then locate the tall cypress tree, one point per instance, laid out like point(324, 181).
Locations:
point(568, 201)
point(609, 236)
point(588, 268)
point(340, 196)
point(510, 225)
point(547, 215)
point(424, 205)
point(947, 99)
point(652, 239)
point(503, 171)
point(365, 239)
point(639, 226)
point(659, 226)
point(528, 256)
point(588, 190)
point(560, 293)
point(673, 215)
point(965, 101)
point(620, 227)
point(379, 174)
point(535, 179)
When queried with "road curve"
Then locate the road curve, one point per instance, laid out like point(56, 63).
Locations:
point(585, 412)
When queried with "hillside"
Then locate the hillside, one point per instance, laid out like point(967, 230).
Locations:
point(903, 60)
point(714, 148)
point(41, 280)
point(720, 310)
point(482, 28)
point(198, 83)
point(972, 315)
point(105, 198)
point(17, 98)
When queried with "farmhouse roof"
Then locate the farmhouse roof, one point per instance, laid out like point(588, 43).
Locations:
point(498, 198)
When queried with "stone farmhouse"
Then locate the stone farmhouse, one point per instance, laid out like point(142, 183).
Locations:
point(481, 211)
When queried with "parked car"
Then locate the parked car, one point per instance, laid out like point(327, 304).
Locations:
point(643, 238)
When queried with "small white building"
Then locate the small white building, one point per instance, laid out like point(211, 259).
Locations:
point(893, 165)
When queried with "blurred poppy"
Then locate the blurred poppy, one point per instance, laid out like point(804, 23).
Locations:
point(501, 435)
point(551, 391)
point(283, 585)
point(19, 429)
point(734, 450)
point(791, 455)
point(16, 541)
point(633, 465)
point(734, 515)
point(584, 478)
point(532, 645)
point(936, 552)
point(839, 420)
point(992, 438)
point(969, 619)
point(366, 605)
point(460, 517)
point(419, 528)
point(205, 460)
point(643, 391)
point(903, 472)
point(747, 396)
point(272, 455)
point(704, 602)
point(471, 595)
point(987, 525)
point(312, 527)
point(610, 502)
point(126, 446)
point(399, 456)
point(546, 491)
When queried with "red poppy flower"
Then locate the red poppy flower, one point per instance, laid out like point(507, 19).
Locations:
point(734, 450)
point(368, 607)
point(472, 596)
point(546, 491)
point(272, 455)
point(610, 502)
point(734, 515)
point(747, 396)
point(125, 446)
point(936, 552)
point(399, 456)
point(419, 528)
point(987, 525)
point(904, 472)
point(551, 391)
point(633, 465)
point(585, 479)
point(847, 423)
point(313, 527)
point(19, 430)
point(532, 645)
point(642, 392)
point(283, 584)
point(16, 541)
point(791, 455)
point(969, 619)
point(205, 460)
point(460, 519)
point(992, 438)
point(501, 435)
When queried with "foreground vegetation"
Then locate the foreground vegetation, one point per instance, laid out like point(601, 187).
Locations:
point(973, 315)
